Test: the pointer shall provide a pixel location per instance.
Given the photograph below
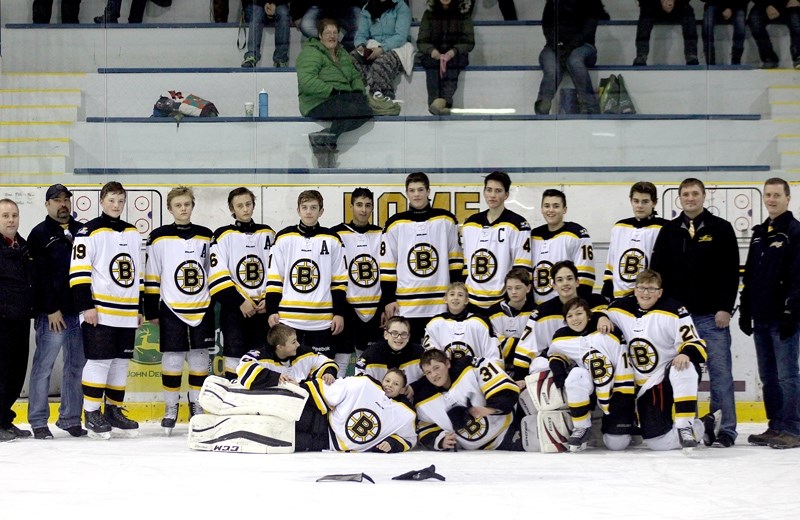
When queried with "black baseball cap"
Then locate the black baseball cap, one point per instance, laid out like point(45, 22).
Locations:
point(55, 190)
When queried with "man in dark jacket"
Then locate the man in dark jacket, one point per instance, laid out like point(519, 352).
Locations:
point(56, 323)
point(697, 255)
point(666, 12)
point(770, 307)
point(569, 28)
point(16, 309)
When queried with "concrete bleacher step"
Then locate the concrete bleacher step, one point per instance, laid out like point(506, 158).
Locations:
point(87, 48)
point(29, 129)
point(428, 142)
point(790, 160)
point(785, 108)
point(39, 112)
point(779, 93)
point(35, 146)
point(34, 96)
point(33, 164)
point(788, 143)
point(684, 90)
point(42, 80)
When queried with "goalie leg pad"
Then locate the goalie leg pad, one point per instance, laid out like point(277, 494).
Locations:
point(543, 392)
point(221, 397)
point(529, 432)
point(241, 434)
point(554, 430)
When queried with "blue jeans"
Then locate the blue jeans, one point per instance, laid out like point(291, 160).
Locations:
point(256, 19)
point(720, 369)
point(48, 343)
point(347, 17)
point(577, 64)
point(779, 372)
point(758, 26)
point(712, 15)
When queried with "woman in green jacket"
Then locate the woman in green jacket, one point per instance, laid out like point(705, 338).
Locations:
point(330, 87)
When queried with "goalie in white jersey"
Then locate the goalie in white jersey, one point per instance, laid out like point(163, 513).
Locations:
point(666, 354)
point(177, 300)
point(106, 279)
point(494, 241)
point(239, 256)
point(593, 367)
point(557, 241)
point(420, 256)
point(465, 404)
point(632, 242)
point(460, 333)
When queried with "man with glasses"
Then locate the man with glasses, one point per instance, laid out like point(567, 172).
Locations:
point(57, 324)
point(697, 256)
point(666, 354)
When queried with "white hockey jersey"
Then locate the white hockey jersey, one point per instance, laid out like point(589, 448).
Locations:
point(629, 252)
point(255, 367)
point(508, 324)
point(361, 417)
point(362, 255)
point(655, 337)
point(378, 358)
point(106, 271)
point(239, 256)
point(571, 242)
point(177, 271)
point(420, 250)
point(463, 335)
point(475, 382)
point(491, 250)
point(307, 281)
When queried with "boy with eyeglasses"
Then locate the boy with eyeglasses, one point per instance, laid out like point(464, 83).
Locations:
point(666, 353)
point(394, 351)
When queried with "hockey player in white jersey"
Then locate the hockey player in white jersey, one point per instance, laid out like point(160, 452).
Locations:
point(666, 354)
point(592, 366)
point(466, 403)
point(307, 281)
point(106, 278)
point(632, 241)
point(363, 312)
point(282, 360)
point(239, 256)
point(557, 241)
point(459, 332)
point(548, 317)
point(177, 300)
point(494, 241)
point(394, 351)
point(420, 256)
point(509, 317)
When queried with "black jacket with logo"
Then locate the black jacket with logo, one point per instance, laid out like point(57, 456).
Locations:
point(51, 249)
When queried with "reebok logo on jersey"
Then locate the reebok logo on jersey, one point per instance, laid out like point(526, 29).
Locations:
point(776, 244)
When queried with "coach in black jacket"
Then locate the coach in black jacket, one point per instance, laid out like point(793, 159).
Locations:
point(697, 256)
point(770, 306)
point(16, 310)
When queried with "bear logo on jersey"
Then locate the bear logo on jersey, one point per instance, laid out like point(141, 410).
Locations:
point(304, 275)
point(643, 355)
point(631, 263)
point(475, 430)
point(423, 260)
point(122, 270)
point(598, 366)
point(363, 426)
point(458, 350)
point(250, 271)
point(364, 271)
point(189, 277)
point(483, 265)
point(542, 283)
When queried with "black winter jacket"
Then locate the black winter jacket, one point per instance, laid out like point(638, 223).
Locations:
point(17, 288)
point(52, 250)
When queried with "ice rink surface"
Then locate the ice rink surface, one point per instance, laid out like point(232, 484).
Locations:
point(154, 476)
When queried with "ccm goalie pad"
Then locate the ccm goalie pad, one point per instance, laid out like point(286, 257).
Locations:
point(241, 433)
point(221, 397)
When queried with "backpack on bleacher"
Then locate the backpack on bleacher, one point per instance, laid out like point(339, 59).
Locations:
point(614, 96)
point(174, 104)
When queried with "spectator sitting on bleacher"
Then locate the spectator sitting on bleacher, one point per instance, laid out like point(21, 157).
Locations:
point(346, 12)
point(734, 11)
point(507, 9)
point(330, 87)
point(43, 10)
point(135, 15)
point(381, 48)
point(775, 11)
point(256, 13)
point(666, 12)
point(446, 36)
point(569, 28)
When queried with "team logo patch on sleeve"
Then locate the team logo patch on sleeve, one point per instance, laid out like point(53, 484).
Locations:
point(363, 426)
point(189, 277)
point(122, 270)
point(250, 271)
point(423, 260)
point(304, 275)
point(364, 271)
point(483, 265)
